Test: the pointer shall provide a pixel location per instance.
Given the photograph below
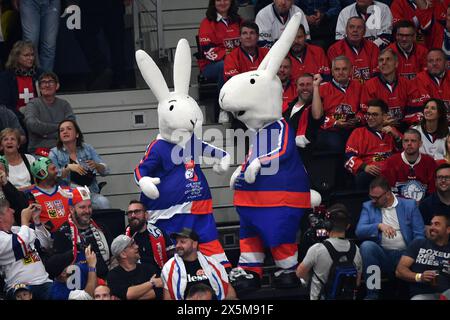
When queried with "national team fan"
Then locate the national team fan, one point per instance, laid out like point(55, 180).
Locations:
point(47, 192)
point(398, 92)
point(412, 57)
point(307, 58)
point(404, 10)
point(218, 35)
point(410, 173)
point(289, 87)
point(434, 20)
point(341, 99)
point(362, 53)
point(435, 81)
point(248, 55)
point(305, 115)
point(369, 147)
point(377, 16)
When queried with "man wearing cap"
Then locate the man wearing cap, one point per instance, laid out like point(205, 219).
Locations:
point(55, 206)
point(131, 280)
point(154, 245)
point(22, 292)
point(8, 191)
point(76, 234)
point(19, 260)
point(189, 267)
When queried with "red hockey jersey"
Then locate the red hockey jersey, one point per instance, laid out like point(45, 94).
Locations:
point(239, 61)
point(55, 207)
point(398, 96)
point(339, 103)
point(367, 146)
point(216, 39)
point(312, 61)
point(404, 10)
point(410, 65)
point(289, 93)
point(364, 60)
point(411, 181)
point(432, 23)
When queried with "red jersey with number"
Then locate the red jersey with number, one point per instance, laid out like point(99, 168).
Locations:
point(340, 103)
point(367, 146)
point(364, 59)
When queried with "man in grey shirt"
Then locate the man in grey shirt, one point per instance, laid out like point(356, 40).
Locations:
point(43, 114)
point(318, 261)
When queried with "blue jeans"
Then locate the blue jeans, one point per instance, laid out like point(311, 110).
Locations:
point(214, 71)
point(40, 21)
point(373, 254)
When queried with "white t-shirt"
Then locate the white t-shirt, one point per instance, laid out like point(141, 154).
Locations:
point(318, 259)
point(19, 175)
point(434, 148)
point(389, 217)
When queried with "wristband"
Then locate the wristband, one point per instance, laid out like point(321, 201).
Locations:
point(418, 277)
point(92, 269)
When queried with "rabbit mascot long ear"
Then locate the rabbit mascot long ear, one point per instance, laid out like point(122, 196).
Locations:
point(272, 186)
point(174, 189)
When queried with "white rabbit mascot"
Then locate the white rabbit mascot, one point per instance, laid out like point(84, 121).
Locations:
point(271, 187)
point(174, 188)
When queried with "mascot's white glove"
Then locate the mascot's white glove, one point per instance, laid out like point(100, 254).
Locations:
point(252, 170)
point(234, 176)
point(222, 166)
point(148, 187)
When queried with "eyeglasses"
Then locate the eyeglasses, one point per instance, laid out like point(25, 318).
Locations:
point(405, 35)
point(443, 178)
point(377, 198)
point(47, 82)
point(135, 212)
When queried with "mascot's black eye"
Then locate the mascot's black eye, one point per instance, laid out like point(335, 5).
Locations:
point(171, 108)
point(252, 81)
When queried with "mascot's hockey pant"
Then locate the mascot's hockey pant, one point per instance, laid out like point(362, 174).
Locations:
point(205, 226)
point(274, 227)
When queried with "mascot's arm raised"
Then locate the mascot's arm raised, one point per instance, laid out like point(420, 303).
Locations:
point(145, 172)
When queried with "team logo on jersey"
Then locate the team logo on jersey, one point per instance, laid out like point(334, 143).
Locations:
point(381, 156)
point(190, 174)
point(343, 112)
point(55, 209)
point(231, 43)
point(396, 113)
point(413, 190)
point(361, 73)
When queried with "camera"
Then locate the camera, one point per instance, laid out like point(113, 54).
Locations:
point(316, 227)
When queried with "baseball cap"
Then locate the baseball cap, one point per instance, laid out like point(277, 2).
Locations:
point(39, 168)
point(79, 194)
point(21, 286)
point(119, 244)
point(4, 161)
point(185, 233)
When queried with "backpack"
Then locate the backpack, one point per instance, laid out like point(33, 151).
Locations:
point(341, 283)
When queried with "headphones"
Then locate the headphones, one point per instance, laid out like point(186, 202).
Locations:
point(336, 214)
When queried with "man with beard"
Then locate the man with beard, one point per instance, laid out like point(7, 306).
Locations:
point(46, 192)
point(75, 235)
point(426, 262)
point(305, 114)
point(131, 280)
point(189, 267)
point(438, 201)
point(153, 244)
point(387, 225)
point(410, 173)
